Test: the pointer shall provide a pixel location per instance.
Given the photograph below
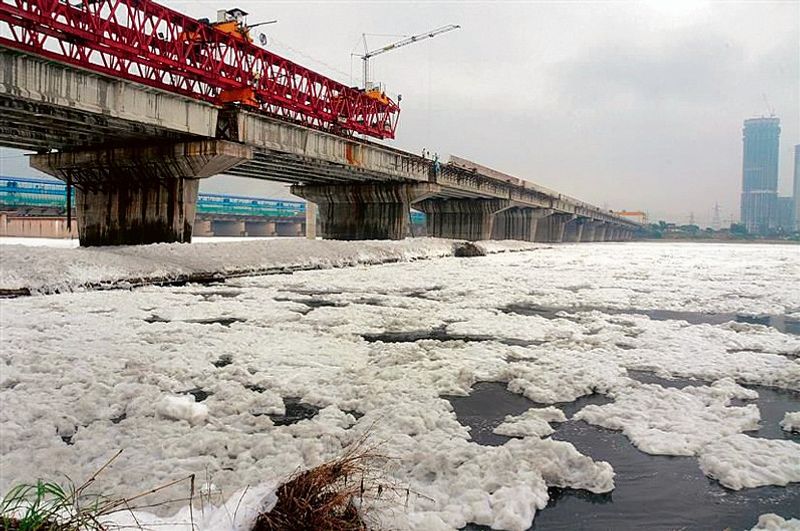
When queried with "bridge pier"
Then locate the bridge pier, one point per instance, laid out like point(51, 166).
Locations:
point(588, 231)
point(461, 219)
point(363, 211)
point(551, 228)
point(224, 227)
point(574, 230)
point(139, 195)
point(289, 229)
point(518, 223)
point(311, 221)
point(600, 232)
point(259, 228)
point(203, 228)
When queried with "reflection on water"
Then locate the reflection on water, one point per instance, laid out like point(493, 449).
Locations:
point(782, 323)
point(652, 492)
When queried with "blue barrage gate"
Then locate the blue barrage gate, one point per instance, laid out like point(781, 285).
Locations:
point(20, 193)
point(236, 205)
point(16, 192)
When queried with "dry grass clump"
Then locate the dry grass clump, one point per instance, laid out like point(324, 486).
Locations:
point(334, 495)
point(341, 494)
point(49, 506)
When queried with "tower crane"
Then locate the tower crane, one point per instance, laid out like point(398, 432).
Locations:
point(374, 91)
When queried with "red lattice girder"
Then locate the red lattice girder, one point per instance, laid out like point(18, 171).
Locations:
point(142, 41)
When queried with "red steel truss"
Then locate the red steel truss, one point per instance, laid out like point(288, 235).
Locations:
point(142, 41)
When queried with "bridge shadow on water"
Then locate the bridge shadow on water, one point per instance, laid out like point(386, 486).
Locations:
point(652, 492)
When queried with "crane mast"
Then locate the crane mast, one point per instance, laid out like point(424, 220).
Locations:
point(399, 44)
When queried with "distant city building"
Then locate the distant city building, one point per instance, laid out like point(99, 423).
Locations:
point(760, 174)
point(784, 214)
point(797, 187)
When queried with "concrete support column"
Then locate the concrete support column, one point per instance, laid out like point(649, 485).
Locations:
point(574, 230)
point(461, 219)
point(600, 232)
point(588, 231)
point(378, 211)
point(551, 228)
point(311, 221)
point(289, 229)
point(229, 228)
point(518, 223)
point(142, 194)
point(202, 228)
point(259, 228)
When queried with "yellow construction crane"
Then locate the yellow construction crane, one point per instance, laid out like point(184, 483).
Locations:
point(374, 90)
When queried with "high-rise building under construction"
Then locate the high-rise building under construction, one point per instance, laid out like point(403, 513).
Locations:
point(760, 174)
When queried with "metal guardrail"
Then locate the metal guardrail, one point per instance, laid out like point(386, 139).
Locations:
point(41, 193)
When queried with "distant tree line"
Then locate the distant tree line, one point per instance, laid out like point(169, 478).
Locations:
point(736, 231)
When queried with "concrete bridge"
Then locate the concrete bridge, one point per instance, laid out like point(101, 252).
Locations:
point(134, 155)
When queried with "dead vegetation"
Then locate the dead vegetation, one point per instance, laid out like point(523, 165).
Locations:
point(342, 494)
point(337, 494)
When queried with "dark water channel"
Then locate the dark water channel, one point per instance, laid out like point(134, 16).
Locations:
point(441, 334)
point(652, 492)
point(782, 323)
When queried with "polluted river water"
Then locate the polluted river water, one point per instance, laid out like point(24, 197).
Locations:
point(249, 380)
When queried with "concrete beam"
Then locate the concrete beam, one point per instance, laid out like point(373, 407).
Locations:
point(274, 137)
point(50, 105)
point(142, 194)
point(365, 211)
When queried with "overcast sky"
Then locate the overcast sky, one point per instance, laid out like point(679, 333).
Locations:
point(631, 105)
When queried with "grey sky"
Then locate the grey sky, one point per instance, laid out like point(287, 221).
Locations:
point(634, 105)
